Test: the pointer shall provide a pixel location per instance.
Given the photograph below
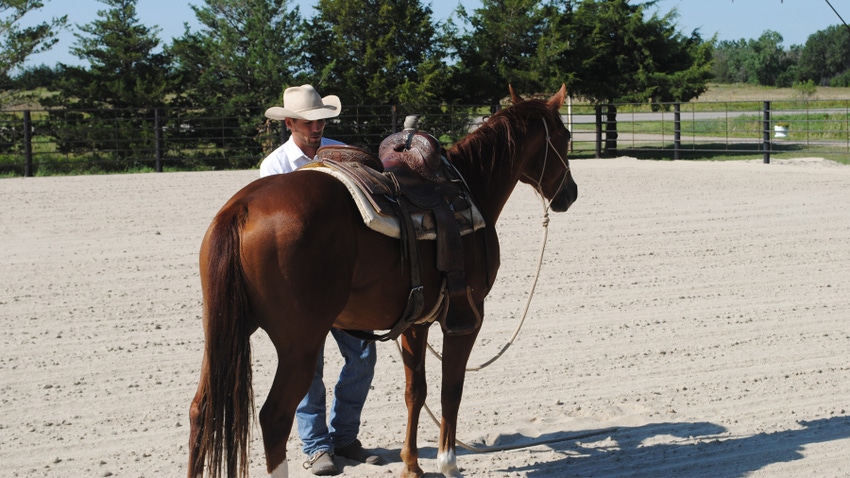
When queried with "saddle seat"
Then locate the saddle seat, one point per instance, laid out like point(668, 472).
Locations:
point(411, 192)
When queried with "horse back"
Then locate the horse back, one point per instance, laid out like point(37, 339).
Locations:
point(307, 257)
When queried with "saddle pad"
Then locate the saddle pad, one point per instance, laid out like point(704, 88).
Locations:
point(388, 225)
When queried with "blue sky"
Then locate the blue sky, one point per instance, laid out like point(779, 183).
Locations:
point(795, 20)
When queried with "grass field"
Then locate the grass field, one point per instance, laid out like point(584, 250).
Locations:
point(744, 92)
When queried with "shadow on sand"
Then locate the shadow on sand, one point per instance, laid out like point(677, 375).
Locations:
point(692, 449)
point(682, 449)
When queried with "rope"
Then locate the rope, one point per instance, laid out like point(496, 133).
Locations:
point(510, 342)
point(490, 449)
point(838, 14)
point(539, 189)
point(505, 347)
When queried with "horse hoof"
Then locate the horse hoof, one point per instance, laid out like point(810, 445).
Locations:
point(448, 464)
point(412, 474)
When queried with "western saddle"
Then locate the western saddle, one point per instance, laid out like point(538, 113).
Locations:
point(411, 180)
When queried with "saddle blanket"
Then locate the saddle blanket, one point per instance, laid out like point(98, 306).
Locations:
point(423, 222)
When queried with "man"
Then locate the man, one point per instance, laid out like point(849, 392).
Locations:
point(304, 112)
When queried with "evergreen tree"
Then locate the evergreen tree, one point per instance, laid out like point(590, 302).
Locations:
point(17, 44)
point(498, 45)
point(245, 54)
point(376, 52)
point(110, 106)
point(124, 68)
point(621, 55)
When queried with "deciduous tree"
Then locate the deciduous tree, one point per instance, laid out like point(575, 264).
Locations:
point(826, 57)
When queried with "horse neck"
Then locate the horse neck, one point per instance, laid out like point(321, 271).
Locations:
point(492, 167)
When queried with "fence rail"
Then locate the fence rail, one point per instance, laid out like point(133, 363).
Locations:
point(705, 130)
point(66, 141)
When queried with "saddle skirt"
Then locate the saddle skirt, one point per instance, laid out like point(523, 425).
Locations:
point(412, 193)
point(376, 204)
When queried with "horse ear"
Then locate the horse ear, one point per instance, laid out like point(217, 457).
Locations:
point(514, 97)
point(557, 101)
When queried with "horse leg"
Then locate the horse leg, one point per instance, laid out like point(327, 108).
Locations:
point(456, 350)
point(414, 342)
point(291, 381)
point(196, 423)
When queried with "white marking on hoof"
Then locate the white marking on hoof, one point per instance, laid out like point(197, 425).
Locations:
point(282, 471)
point(448, 464)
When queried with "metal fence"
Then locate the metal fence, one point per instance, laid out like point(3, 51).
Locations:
point(67, 141)
point(702, 130)
point(64, 141)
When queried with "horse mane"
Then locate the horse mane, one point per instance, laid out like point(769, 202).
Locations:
point(494, 141)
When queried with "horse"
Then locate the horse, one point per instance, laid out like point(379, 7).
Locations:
point(290, 254)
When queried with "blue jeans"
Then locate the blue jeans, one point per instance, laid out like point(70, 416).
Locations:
point(350, 392)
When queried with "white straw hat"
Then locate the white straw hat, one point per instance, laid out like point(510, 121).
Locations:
point(304, 102)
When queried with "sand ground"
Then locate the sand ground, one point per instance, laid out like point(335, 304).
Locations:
point(691, 319)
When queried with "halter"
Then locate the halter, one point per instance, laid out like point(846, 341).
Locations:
point(538, 183)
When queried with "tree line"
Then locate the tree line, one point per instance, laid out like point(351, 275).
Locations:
point(824, 60)
point(371, 52)
point(378, 52)
point(368, 52)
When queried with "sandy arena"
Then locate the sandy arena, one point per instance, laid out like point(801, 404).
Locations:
point(692, 319)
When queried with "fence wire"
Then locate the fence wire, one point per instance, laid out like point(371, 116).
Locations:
point(66, 141)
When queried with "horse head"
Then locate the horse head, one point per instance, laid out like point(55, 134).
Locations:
point(549, 171)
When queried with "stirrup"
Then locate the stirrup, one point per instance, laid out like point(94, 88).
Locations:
point(467, 328)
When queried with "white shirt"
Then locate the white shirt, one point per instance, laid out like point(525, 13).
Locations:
point(288, 157)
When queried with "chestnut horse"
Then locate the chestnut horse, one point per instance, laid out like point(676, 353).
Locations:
point(290, 254)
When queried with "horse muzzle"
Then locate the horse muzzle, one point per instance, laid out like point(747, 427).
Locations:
point(565, 198)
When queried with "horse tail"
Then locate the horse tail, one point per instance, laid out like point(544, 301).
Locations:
point(226, 393)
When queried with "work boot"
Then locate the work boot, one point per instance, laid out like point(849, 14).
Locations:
point(322, 464)
point(355, 451)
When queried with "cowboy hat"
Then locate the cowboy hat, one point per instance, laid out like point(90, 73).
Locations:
point(304, 102)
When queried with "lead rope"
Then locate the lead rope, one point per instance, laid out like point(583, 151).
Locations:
point(539, 189)
point(510, 342)
point(505, 347)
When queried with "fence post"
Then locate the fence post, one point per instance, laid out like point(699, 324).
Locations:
point(677, 131)
point(157, 124)
point(27, 144)
point(394, 116)
point(598, 131)
point(570, 121)
point(766, 132)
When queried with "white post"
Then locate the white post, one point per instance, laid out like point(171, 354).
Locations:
point(570, 119)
